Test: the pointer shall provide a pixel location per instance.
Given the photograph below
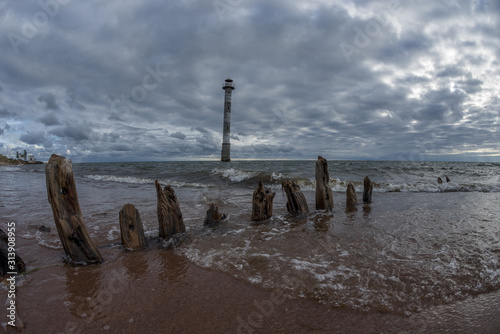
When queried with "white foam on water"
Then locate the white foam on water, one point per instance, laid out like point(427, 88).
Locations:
point(255, 279)
point(44, 239)
point(234, 175)
point(52, 244)
point(141, 180)
point(120, 179)
point(114, 234)
point(277, 176)
point(150, 234)
point(10, 168)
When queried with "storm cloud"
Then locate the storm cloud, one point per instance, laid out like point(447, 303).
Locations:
point(342, 79)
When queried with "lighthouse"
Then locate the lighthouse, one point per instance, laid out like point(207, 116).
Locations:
point(228, 89)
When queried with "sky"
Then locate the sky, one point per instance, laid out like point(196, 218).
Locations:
point(142, 80)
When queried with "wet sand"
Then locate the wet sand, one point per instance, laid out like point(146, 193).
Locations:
point(157, 290)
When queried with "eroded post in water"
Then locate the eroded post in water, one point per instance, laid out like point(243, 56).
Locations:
point(351, 198)
point(213, 216)
point(296, 201)
point(324, 198)
point(131, 228)
point(169, 212)
point(368, 190)
point(262, 203)
point(62, 195)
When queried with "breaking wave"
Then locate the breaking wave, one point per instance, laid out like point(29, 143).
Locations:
point(251, 178)
point(120, 179)
point(141, 180)
point(234, 175)
point(338, 185)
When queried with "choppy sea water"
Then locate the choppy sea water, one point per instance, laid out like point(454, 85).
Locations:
point(420, 243)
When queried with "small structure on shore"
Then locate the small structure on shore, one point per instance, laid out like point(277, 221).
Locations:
point(228, 88)
point(324, 197)
point(262, 203)
point(63, 198)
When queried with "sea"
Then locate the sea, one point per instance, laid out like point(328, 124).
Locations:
point(419, 243)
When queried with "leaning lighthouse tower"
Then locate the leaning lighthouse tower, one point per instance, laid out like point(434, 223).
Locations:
point(228, 89)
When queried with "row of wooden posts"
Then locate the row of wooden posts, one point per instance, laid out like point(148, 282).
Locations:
point(262, 200)
point(77, 244)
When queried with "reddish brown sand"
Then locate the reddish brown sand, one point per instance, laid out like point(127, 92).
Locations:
point(158, 291)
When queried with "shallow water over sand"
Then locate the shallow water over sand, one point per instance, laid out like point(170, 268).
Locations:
point(411, 255)
point(399, 254)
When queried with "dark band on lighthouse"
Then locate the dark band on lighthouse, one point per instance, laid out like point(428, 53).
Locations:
point(228, 88)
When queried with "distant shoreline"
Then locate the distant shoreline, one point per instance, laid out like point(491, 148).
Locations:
point(4, 161)
point(16, 163)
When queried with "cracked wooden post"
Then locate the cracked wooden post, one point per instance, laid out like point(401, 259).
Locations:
point(367, 191)
point(131, 228)
point(324, 198)
point(351, 198)
point(296, 201)
point(169, 212)
point(213, 216)
point(262, 203)
point(61, 191)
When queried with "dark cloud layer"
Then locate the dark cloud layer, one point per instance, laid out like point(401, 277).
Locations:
point(344, 79)
point(48, 101)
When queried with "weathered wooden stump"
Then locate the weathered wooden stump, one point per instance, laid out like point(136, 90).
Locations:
point(18, 265)
point(351, 198)
point(169, 212)
point(262, 203)
point(296, 201)
point(213, 216)
point(324, 197)
point(61, 191)
point(131, 228)
point(368, 190)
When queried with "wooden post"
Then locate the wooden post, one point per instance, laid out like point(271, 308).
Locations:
point(61, 191)
point(262, 203)
point(351, 198)
point(169, 212)
point(324, 198)
point(296, 201)
point(18, 265)
point(368, 190)
point(213, 216)
point(131, 228)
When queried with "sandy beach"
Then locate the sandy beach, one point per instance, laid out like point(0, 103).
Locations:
point(159, 291)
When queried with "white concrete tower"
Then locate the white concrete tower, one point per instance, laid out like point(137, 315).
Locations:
point(228, 88)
